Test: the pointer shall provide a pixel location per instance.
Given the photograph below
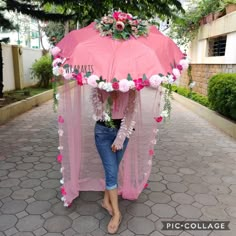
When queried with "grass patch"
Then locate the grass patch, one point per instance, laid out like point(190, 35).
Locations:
point(18, 95)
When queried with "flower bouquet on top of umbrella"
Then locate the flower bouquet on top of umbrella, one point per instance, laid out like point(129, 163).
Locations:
point(120, 25)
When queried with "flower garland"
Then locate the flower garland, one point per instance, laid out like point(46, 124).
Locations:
point(123, 85)
point(121, 26)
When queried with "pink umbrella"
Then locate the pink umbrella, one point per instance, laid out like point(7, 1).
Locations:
point(110, 64)
point(88, 51)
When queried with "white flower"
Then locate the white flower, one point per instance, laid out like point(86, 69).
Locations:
point(154, 141)
point(155, 81)
point(192, 84)
point(164, 113)
point(60, 132)
point(60, 148)
point(131, 84)
point(170, 79)
point(108, 87)
point(165, 79)
point(55, 71)
point(95, 118)
point(155, 131)
point(101, 84)
point(62, 181)
point(184, 63)
point(92, 80)
point(57, 96)
point(66, 204)
point(63, 199)
point(176, 73)
point(106, 117)
point(62, 169)
point(124, 85)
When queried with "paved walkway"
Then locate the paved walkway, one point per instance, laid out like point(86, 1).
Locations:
point(193, 178)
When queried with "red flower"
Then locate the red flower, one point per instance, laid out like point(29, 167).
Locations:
point(158, 119)
point(146, 185)
point(179, 67)
point(79, 79)
point(59, 158)
point(138, 84)
point(116, 15)
point(115, 85)
point(63, 191)
point(146, 83)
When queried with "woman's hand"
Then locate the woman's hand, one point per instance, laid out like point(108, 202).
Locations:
point(113, 148)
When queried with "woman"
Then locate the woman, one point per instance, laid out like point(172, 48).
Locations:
point(114, 113)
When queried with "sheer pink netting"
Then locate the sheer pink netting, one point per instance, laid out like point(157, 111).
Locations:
point(81, 165)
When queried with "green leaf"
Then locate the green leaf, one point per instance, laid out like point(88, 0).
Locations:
point(144, 77)
point(129, 78)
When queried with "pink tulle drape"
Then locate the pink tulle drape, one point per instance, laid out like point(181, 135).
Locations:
point(81, 165)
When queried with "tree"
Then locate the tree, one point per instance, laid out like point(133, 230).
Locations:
point(85, 11)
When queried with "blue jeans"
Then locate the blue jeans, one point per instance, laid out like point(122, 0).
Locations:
point(104, 138)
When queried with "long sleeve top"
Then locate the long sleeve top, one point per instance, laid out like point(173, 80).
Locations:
point(123, 107)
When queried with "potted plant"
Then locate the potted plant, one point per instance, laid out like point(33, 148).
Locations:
point(230, 5)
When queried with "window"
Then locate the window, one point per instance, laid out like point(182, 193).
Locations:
point(216, 46)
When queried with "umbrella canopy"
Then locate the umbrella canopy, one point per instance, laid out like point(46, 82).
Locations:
point(110, 61)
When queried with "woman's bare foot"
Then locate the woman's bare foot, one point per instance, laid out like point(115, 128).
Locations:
point(108, 207)
point(114, 223)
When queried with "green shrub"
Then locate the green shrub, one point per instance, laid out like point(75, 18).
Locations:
point(42, 70)
point(197, 97)
point(200, 99)
point(222, 94)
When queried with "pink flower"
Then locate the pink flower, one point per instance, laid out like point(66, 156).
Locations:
point(92, 80)
point(138, 84)
point(176, 73)
point(155, 81)
point(59, 158)
point(120, 25)
point(115, 86)
point(124, 85)
point(63, 191)
point(56, 61)
point(134, 22)
point(122, 16)
point(55, 51)
point(179, 67)
point(60, 119)
point(116, 15)
point(158, 119)
point(129, 16)
point(151, 152)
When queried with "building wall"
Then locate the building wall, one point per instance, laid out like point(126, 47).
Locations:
point(203, 66)
point(8, 71)
point(201, 73)
point(29, 56)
